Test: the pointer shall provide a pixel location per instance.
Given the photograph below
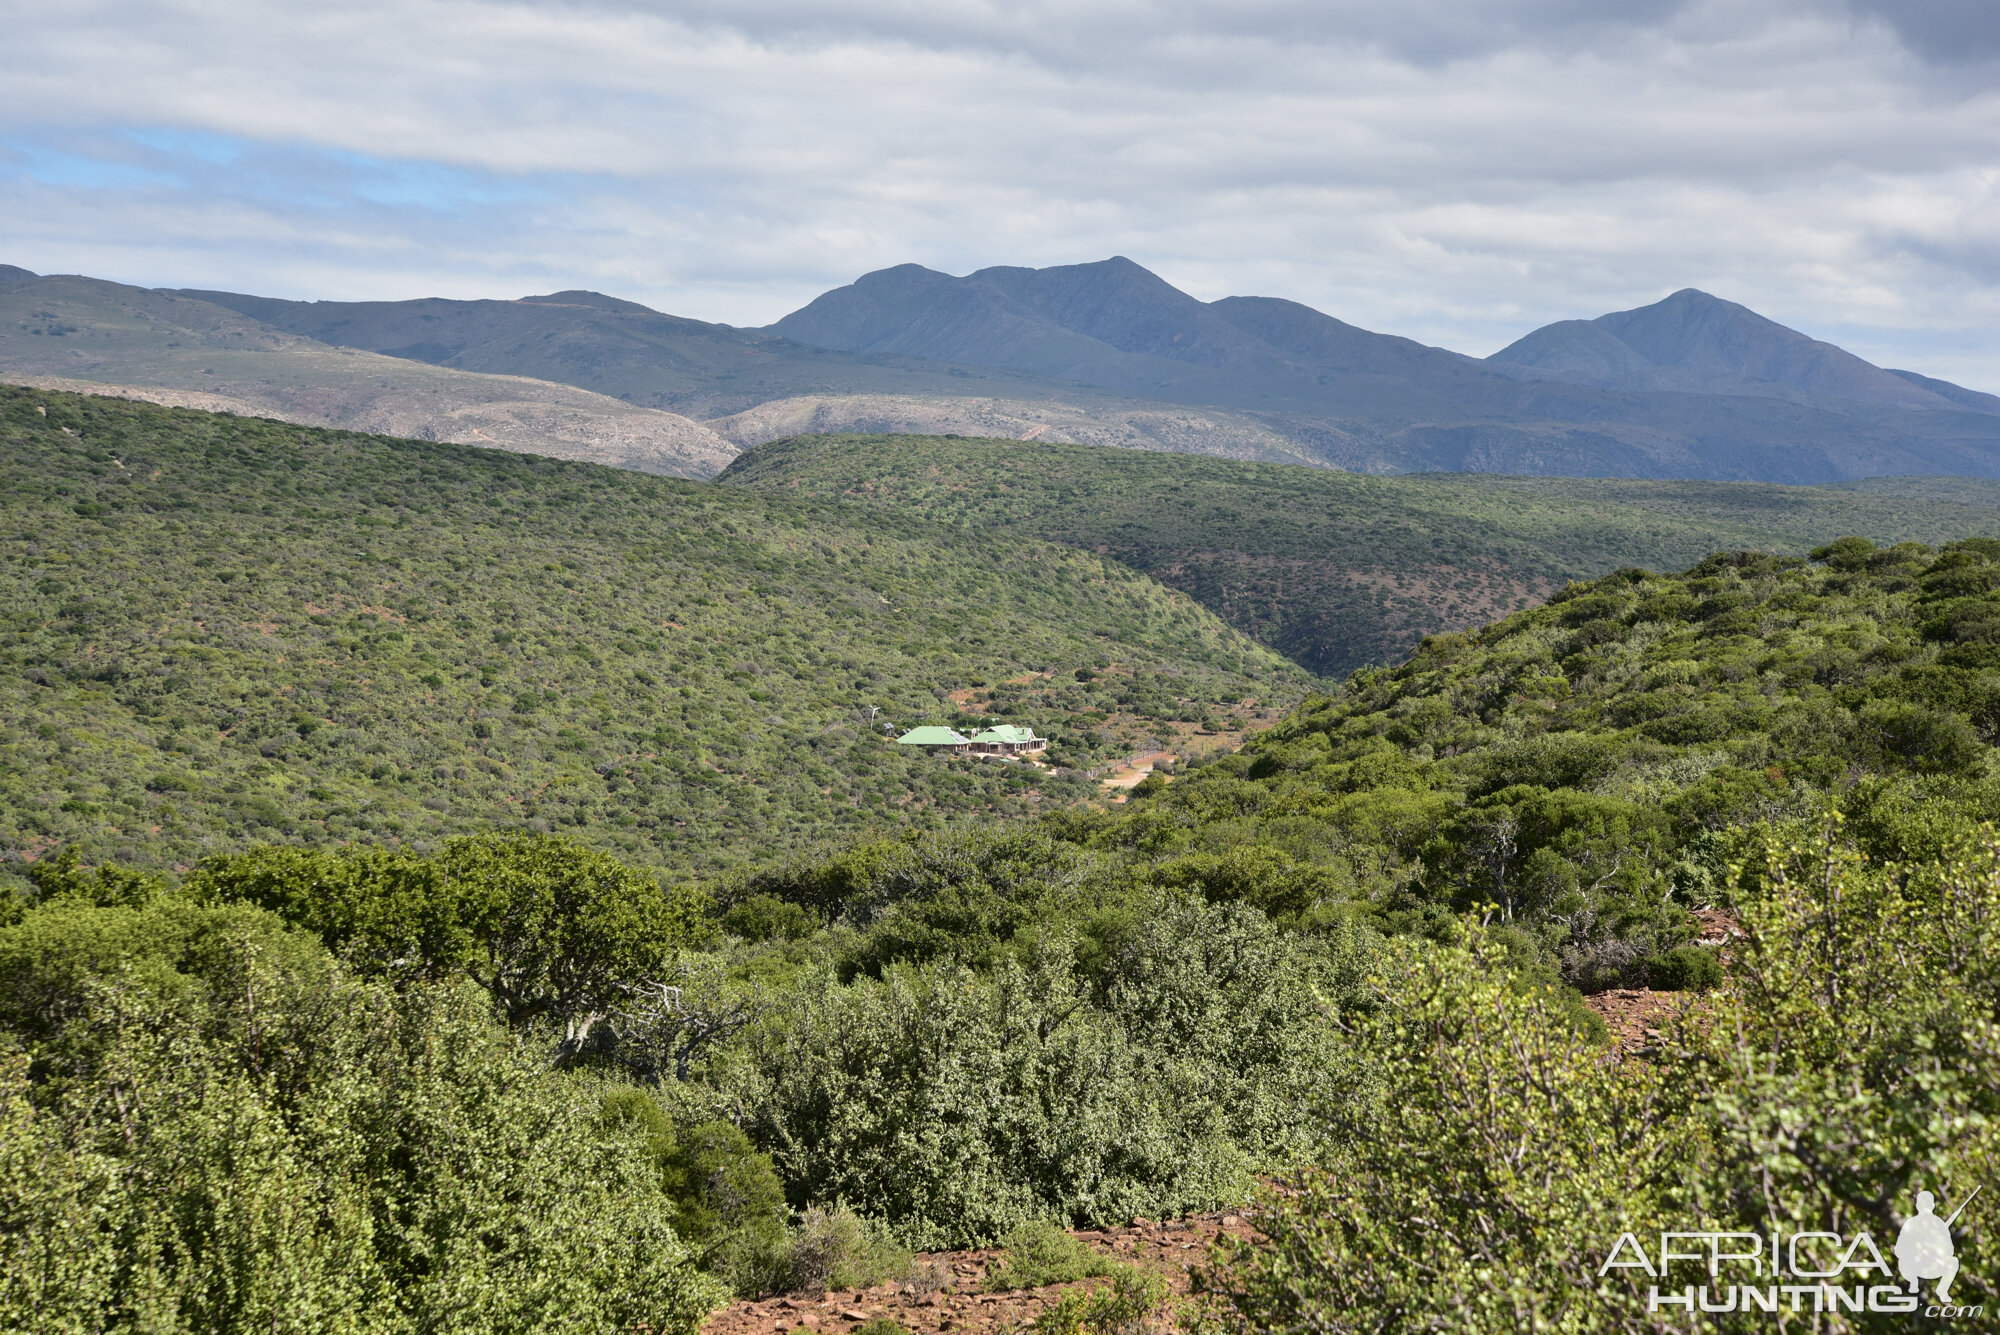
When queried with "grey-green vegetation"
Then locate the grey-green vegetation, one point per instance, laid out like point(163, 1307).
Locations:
point(222, 630)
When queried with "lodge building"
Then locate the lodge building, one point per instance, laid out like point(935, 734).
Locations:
point(1005, 739)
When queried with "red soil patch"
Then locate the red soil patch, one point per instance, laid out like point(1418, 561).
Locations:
point(1636, 1016)
point(947, 1295)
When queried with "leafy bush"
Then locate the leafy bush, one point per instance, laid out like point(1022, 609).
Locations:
point(728, 1203)
point(837, 1249)
point(1039, 1253)
point(957, 1107)
point(265, 1149)
point(768, 918)
point(1125, 1307)
point(1685, 969)
point(555, 932)
point(1488, 1174)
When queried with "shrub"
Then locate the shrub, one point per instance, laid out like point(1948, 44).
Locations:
point(1487, 1177)
point(551, 929)
point(309, 1152)
point(1039, 1253)
point(1421, 1209)
point(879, 1325)
point(768, 918)
point(957, 1107)
point(1122, 1308)
point(837, 1249)
point(1685, 969)
point(728, 1203)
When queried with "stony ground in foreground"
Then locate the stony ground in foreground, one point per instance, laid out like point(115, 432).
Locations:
point(944, 1293)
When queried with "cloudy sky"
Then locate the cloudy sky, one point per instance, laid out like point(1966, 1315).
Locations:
point(1460, 171)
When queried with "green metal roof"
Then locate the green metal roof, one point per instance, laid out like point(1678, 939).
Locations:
point(932, 736)
point(1007, 732)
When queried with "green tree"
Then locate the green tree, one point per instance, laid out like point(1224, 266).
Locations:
point(555, 932)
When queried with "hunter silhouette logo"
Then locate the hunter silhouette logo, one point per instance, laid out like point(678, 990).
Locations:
point(1924, 1249)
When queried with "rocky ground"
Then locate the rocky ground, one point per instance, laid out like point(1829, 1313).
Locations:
point(945, 1290)
point(1637, 1016)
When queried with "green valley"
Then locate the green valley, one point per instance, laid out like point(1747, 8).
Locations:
point(1340, 570)
point(1347, 959)
point(478, 890)
point(221, 630)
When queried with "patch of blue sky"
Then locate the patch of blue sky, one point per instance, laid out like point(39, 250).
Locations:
point(280, 175)
point(218, 150)
point(436, 187)
point(55, 164)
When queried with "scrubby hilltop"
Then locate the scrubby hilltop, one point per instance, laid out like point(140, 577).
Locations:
point(1341, 570)
point(221, 630)
point(1580, 765)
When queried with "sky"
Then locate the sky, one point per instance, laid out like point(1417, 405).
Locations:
point(1457, 171)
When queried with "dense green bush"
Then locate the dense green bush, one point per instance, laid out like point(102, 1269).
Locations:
point(209, 1134)
point(728, 1203)
point(1685, 969)
point(958, 1106)
point(555, 932)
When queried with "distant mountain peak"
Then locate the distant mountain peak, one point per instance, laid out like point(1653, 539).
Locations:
point(1694, 342)
point(595, 300)
point(12, 275)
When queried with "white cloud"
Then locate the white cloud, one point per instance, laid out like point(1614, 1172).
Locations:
point(1456, 170)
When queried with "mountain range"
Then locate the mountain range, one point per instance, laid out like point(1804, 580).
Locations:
point(1103, 353)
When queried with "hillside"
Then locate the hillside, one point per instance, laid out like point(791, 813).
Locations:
point(79, 333)
point(1343, 964)
point(222, 630)
point(1338, 570)
point(1580, 765)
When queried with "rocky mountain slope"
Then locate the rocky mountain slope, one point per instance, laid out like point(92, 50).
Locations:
point(1692, 387)
point(87, 335)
